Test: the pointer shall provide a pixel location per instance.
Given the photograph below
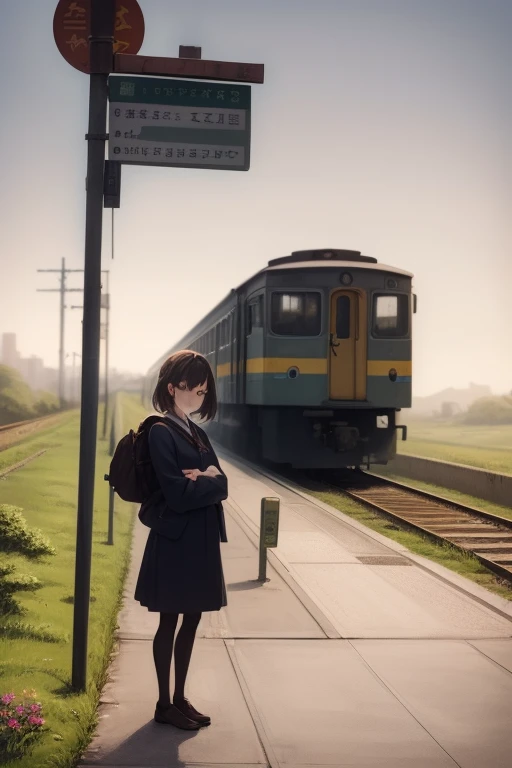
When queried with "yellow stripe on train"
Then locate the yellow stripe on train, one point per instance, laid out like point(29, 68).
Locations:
point(315, 365)
point(382, 367)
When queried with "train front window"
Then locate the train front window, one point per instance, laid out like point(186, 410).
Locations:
point(296, 314)
point(390, 316)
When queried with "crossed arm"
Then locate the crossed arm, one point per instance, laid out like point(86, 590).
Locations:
point(183, 490)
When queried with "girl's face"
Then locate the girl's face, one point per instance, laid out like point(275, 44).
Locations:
point(188, 400)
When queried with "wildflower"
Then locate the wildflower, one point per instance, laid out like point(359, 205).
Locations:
point(7, 698)
point(35, 707)
point(19, 710)
point(13, 723)
point(36, 720)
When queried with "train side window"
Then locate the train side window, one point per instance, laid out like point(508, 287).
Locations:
point(232, 328)
point(255, 314)
point(295, 314)
point(391, 315)
point(343, 317)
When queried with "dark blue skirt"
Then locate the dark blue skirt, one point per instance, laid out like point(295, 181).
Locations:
point(184, 575)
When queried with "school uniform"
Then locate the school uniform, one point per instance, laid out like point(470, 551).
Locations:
point(181, 569)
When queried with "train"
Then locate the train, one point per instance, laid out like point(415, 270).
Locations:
point(312, 357)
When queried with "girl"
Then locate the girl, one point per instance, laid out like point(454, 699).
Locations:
point(181, 571)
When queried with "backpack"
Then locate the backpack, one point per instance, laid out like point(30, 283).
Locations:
point(131, 473)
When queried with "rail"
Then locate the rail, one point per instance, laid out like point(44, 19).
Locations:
point(488, 537)
point(26, 422)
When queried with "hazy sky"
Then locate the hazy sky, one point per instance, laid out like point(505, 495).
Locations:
point(384, 126)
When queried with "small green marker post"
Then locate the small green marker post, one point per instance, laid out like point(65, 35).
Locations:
point(269, 529)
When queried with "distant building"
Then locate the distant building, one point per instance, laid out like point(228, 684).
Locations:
point(35, 372)
point(10, 354)
point(31, 368)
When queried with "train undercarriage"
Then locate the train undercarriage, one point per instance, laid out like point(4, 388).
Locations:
point(308, 438)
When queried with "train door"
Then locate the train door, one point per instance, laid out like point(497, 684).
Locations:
point(347, 346)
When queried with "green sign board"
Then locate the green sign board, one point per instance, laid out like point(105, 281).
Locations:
point(180, 123)
point(269, 521)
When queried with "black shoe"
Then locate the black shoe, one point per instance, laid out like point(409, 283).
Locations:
point(171, 715)
point(186, 708)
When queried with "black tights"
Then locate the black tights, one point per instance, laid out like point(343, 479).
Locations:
point(162, 653)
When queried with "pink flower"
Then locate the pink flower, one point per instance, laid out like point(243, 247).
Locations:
point(12, 723)
point(35, 707)
point(20, 710)
point(7, 698)
point(36, 720)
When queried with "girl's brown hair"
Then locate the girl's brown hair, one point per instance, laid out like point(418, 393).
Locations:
point(193, 369)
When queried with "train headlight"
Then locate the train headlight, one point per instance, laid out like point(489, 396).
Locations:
point(293, 372)
point(346, 278)
point(392, 284)
point(393, 374)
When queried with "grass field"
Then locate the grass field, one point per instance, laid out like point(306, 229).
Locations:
point(37, 653)
point(42, 439)
point(484, 447)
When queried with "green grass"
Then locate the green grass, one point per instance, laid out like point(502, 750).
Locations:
point(45, 438)
point(133, 412)
point(462, 563)
point(488, 448)
point(37, 654)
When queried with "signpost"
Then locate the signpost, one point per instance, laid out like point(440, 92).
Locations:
point(72, 27)
point(194, 67)
point(99, 37)
point(179, 123)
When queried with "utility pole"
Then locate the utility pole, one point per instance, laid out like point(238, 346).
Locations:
point(104, 305)
point(101, 57)
point(73, 392)
point(107, 318)
point(62, 290)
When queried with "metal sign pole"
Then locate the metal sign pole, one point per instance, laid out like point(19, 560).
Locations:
point(107, 319)
point(101, 62)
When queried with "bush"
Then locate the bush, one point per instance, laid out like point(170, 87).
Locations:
point(490, 411)
point(15, 536)
point(10, 584)
point(18, 402)
point(46, 403)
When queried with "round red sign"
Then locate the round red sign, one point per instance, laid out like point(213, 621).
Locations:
point(72, 23)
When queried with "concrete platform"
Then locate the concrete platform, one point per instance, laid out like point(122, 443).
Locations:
point(355, 653)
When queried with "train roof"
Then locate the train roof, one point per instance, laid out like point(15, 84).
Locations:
point(326, 258)
point(340, 263)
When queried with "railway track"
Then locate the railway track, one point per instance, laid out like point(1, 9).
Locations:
point(17, 424)
point(11, 434)
point(488, 537)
